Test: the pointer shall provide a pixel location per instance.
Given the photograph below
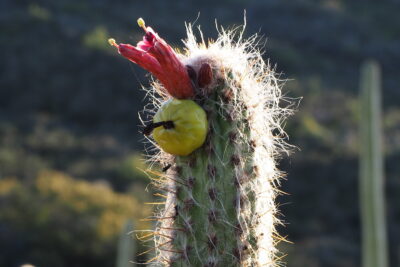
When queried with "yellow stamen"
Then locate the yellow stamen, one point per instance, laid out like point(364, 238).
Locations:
point(141, 23)
point(112, 42)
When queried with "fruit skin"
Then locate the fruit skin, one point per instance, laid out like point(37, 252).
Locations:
point(190, 127)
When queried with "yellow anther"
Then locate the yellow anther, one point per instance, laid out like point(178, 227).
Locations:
point(112, 42)
point(141, 23)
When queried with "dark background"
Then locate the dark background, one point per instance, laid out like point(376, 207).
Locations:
point(70, 142)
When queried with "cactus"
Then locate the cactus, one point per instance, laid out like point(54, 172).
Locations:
point(374, 243)
point(126, 246)
point(219, 201)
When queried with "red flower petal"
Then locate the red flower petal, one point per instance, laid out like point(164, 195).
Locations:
point(141, 58)
point(157, 57)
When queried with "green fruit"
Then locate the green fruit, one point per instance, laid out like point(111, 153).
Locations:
point(183, 127)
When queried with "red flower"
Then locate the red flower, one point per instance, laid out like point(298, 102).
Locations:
point(156, 56)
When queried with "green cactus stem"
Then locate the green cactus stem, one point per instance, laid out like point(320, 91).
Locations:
point(219, 200)
point(220, 208)
point(372, 198)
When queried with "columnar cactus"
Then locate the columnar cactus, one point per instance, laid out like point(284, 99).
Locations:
point(126, 246)
point(220, 193)
point(372, 193)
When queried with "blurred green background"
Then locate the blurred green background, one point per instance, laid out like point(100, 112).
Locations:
point(69, 129)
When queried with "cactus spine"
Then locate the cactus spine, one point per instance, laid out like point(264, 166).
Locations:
point(374, 243)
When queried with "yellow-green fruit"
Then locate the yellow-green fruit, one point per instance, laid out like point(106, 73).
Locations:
point(189, 127)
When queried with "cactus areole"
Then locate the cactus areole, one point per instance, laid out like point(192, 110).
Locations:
point(218, 127)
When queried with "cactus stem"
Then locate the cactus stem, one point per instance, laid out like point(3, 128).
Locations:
point(372, 191)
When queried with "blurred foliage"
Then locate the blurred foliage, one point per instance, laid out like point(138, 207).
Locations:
point(38, 12)
point(97, 38)
point(61, 221)
point(133, 166)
